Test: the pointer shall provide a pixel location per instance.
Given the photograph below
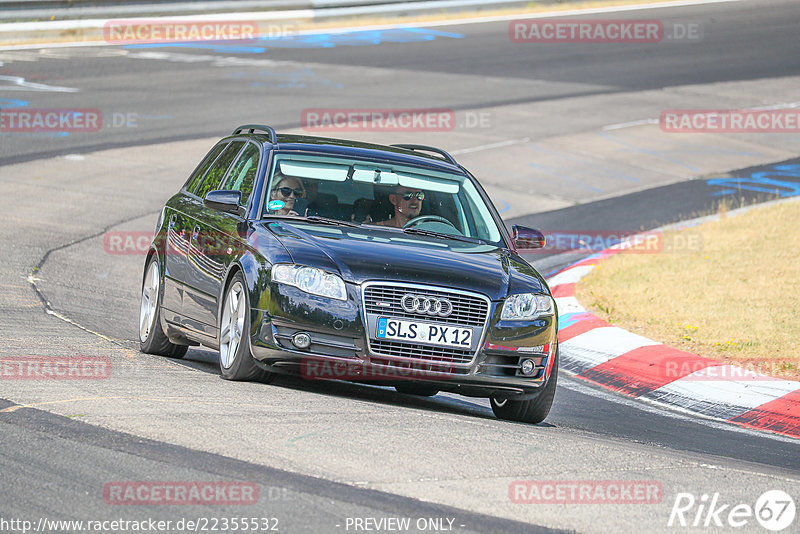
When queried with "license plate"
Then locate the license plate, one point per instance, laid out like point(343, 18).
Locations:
point(425, 333)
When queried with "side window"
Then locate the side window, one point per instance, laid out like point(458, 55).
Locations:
point(201, 169)
point(243, 173)
point(217, 170)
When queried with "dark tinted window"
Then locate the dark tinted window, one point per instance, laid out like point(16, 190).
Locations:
point(201, 169)
point(217, 171)
point(243, 173)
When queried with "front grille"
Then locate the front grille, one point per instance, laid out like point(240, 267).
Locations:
point(421, 352)
point(385, 300)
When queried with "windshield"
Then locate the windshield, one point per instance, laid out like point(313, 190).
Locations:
point(356, 191)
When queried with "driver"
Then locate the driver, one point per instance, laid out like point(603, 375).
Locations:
point(407, 204)
point(286, 189)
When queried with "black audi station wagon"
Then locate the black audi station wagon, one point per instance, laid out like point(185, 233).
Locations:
point(337, 259)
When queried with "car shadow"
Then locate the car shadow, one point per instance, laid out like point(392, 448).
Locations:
point(206, 360)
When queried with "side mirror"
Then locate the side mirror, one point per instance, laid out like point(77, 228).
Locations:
point(223, 200)
point(525, 238)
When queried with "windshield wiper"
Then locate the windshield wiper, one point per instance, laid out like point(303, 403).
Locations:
point(332, 222)
point(431, 233)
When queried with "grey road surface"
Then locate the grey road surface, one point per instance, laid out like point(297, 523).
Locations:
point(567, 142)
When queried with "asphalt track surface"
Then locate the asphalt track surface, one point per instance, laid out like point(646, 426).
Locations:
point(188, 98)
point(52, 466)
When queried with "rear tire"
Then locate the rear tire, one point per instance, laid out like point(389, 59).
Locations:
point(421, 390)
point(235, 359)
point(531, 411)
point(152, 339)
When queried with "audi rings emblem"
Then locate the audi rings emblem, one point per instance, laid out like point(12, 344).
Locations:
point(428, 305)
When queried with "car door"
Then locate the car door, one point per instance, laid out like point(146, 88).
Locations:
point(222, 230)
point(204, 270)
point(176, 248)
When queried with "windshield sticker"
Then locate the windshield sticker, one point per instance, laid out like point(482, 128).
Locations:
point(275, 204)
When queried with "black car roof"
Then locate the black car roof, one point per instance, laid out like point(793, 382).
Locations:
point(413, 154)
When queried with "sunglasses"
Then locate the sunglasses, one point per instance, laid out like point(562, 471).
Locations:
point(418, 195)
point(287, 191)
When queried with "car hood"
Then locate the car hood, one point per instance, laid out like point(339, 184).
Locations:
point(371, 253)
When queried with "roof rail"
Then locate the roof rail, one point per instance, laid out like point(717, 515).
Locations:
point(435, 150)
point(253, 127)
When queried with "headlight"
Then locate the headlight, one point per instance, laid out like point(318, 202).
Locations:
point(311, 280)
point(526, 306)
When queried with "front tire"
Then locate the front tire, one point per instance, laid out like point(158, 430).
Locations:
point(531, 411)
point(235, 360)
point(152, 339)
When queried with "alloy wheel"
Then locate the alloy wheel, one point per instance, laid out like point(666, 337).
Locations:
point(147, 312)
point(232, 324)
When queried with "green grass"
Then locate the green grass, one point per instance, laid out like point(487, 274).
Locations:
point(735, 298)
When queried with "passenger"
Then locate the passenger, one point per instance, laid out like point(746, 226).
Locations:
point(407, 204)
point(286, 189)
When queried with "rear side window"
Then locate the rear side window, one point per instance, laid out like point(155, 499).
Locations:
point(243, 173)
point(217, 171)
point(201, 169)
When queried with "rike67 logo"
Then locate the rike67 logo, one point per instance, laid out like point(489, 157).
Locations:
point(774, 510)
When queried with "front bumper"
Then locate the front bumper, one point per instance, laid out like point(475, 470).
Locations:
point(340, 350)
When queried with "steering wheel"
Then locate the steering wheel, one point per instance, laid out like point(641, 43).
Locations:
point(428, 218)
